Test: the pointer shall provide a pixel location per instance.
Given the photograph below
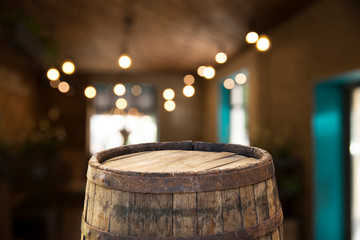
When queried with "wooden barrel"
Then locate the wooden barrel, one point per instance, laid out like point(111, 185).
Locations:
point(182, 190)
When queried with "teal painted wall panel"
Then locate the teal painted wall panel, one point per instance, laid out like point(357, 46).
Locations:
point(224, 115)
point(329, 164)
point(328, 140)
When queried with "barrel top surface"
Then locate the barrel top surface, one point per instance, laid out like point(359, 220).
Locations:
point(176, 161)
point(177, 167)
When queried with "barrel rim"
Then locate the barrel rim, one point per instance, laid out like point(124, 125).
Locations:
point(262, 155)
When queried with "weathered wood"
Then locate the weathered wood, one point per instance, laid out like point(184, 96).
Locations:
point(261, 202)
point(231, 210)
point(272, 203)
point(119, 212)
point(101, 209)
point(209, 213)
point(184, 215)
point(111, 213)
point(248, 207)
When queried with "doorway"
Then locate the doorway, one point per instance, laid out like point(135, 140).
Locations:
point(332, 188)
point(354, 161)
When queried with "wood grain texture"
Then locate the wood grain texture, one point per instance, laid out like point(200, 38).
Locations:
point(184, 215)
point(231, 210)
point(209, 213)
point(119, 212)
point(178, 161)
point(180, 215)
point(261, 202)
point(248, 207)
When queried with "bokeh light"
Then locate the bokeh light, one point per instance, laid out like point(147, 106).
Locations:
point(169, 94)
point(121, 103)
point(133, 111)
point(68, 67)
point(221, 57)
point(64, 87)
point(240, 78)
point(209, 72)
point(124, 61)
point(263, 44)
point(252, 37)
point(53, 74)
point(189, 79)
point(188, 91)
point(229, 83)
point(119, 89)
point(90, 92)
point(54, 83)
point(169, 105)
point(136, 90)
point(200, 71)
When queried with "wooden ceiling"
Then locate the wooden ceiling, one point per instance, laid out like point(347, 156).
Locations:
point(165, 35)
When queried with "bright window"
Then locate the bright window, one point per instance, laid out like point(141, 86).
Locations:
point(238, 118)
point(233, 119)
point(114, 123)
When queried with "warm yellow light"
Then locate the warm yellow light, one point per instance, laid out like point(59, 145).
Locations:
point(169, 105)
point(252, 37)
point(133, 111)
point(189, 91)
point(263, 44)
point(240, 78)
point(119, 89)
point(55, 83)
point(189, 79)
point(136, 90)
point(124, 61)
point(229, 83)
point(63, 87)
point(220, 57)
point(200, 71)
point(169, 94)
point(90, 92)
point(209, 72)
point(121, 103)
point(53, 74)
point(68, 67)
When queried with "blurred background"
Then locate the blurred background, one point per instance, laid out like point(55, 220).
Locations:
point(77, 77)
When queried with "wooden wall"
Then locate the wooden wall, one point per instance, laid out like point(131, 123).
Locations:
point(320, 42)
point(17, 95)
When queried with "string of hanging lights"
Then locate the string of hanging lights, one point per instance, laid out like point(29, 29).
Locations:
point(53, 74)
point(261, 42)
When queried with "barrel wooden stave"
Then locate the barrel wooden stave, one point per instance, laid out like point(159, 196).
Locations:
point(181, 215)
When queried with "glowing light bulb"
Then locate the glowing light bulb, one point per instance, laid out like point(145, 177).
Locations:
point(229, 83)
point(53, 74)
point(209, 72)
point(136, 90)
point(121, 103)
point(124, 61)
point(169, 105)
point(252, 37)
point(188, 91)
point(189, 79)
point(240, 78)
point(200, 71)
point(221, 57)
point(90, 92)
point(63, 87)
point(68, 67)
point(169, 94)
point(263, 44)
point(119, 89)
